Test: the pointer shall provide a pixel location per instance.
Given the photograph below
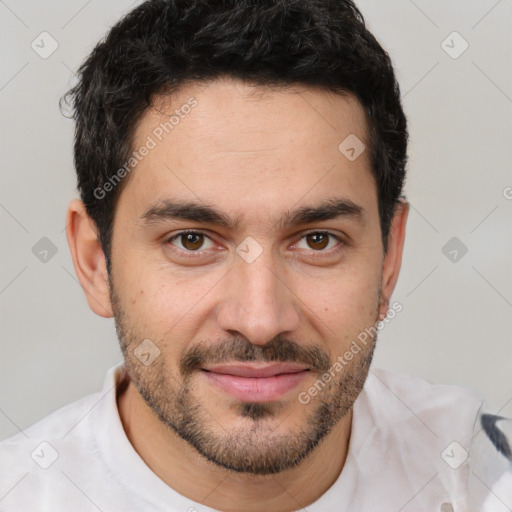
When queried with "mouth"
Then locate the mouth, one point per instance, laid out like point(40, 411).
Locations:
point(256, 383)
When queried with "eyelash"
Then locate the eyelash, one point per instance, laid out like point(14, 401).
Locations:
point(192, 254)
point(188, 254)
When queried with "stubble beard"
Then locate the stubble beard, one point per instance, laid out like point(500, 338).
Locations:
point(258, 446)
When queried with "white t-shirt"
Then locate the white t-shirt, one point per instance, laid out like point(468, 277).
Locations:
point(414, 447)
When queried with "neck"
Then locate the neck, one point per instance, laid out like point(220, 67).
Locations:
point(198, 479)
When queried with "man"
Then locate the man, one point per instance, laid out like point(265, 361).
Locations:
point(240, 166)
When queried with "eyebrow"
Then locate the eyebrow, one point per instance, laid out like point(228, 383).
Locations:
point(328, 210)
point(170, 210)
point(191, 211)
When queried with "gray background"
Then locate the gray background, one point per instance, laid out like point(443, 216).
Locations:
point(456, 322)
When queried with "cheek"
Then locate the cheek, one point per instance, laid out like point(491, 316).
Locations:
point(163, 307)
point(346, 302)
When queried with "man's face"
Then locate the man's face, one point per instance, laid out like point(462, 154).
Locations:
point(283, 265)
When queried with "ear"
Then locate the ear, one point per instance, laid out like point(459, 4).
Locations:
point(88, 258)
point(393, 257)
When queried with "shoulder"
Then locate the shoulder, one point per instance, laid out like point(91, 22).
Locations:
point(417, 386)
point(38, 445)
point(57, 424)
point(39, 462)
point(410, 434)
point(400, 396)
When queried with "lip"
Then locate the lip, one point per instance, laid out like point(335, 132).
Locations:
point(250, 383)
point(252, 370)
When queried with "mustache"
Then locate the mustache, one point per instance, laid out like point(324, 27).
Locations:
point(279, 349)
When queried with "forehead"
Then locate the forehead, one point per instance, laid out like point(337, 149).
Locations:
point(250, 150)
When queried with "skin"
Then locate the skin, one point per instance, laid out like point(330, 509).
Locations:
point(256, 155)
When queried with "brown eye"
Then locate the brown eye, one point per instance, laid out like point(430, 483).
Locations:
point(317, 241)
point(192, 241)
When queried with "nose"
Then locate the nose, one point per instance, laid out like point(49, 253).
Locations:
point(259, 304)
